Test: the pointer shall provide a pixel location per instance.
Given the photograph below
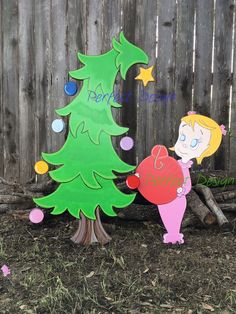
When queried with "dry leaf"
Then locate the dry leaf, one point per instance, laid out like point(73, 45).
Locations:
point(90, 274)
point(153, 283)
point(167, 306)
point(146, 303)
point(208, 307)
point(109, 299)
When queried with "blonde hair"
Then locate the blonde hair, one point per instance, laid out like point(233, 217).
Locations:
point(207, 123)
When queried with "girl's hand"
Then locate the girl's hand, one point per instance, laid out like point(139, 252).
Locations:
point(181, 192)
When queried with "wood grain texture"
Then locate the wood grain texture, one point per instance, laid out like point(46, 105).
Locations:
point(184, 59)
point(59, 74)
point(26, 88)
point(10, 93)
point(203, 56)
point(145, 36)
point(232, 133)
point(203, 63)
point(94, 27)
point(166, 72)
point(129, 108)
point(1, 99)
point(111, 28)
point(222, 74)
point(43, 66)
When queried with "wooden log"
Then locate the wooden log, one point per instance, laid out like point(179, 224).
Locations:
point(212, 204)
point(228, 207)
point(42, 187)
point(139, 212)
point(218, 190)
point(14, 199)
point(224, 196)
point(199, 209)
point(14, 207)
point(191, 221)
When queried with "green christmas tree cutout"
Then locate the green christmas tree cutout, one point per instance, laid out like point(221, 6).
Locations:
point(88, 163)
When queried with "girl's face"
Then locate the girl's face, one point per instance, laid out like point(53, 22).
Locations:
point(192, 142)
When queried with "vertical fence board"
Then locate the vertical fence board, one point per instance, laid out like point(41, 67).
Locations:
point(42, 78)
point(145, 38)
point(10, 90)
point(59, 67)
point(111, 28)
point(26, 88)
point(76, 39)
point(232, 134)
point(203, 56)
point(166, 71)
point(1, 99)
point(94, 27)
point(129, 109)
point(184, 59)
point(222, 74)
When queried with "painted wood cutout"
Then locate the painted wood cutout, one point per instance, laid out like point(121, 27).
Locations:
point(199, 137)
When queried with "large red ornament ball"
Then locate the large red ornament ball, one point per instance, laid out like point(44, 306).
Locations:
point(160, 176)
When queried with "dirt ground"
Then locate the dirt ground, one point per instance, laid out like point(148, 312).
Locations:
point(135, 273)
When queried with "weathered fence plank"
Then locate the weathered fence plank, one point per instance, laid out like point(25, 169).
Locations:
point(203, 62)
point(43, 64)
point(10, 90)
point(76, 38)
point(232, 131)
point(145, 36)
point(203, 56)
point(59, 75)
point(110, 28)
point(184, 59)
point(222, 74)
point(166, 71)
point(94, 27)
point(129, 108)
point(26, 88)
point(1, 98)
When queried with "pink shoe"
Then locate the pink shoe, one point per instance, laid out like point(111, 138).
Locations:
point(173, 238)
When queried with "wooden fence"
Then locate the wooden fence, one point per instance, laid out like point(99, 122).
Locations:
point(191, 43)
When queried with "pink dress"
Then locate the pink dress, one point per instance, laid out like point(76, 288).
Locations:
point(172, 213)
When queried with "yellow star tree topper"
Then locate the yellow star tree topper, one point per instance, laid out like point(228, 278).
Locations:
point(145, 75)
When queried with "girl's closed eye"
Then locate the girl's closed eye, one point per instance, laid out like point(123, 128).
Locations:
point(182, 137)
point(195, 143)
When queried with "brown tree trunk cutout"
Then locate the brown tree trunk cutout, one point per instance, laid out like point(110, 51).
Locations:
point(90, 231)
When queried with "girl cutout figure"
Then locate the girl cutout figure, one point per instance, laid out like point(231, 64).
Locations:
point(199, 137)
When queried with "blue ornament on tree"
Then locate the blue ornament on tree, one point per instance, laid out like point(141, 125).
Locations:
point(70, 88)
